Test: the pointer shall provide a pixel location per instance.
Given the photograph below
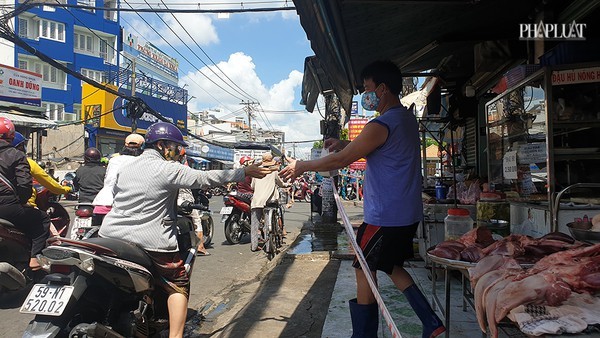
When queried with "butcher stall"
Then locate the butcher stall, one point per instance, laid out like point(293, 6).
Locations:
point(544, 285)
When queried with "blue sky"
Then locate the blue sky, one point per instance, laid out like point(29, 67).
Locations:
point(263, 53)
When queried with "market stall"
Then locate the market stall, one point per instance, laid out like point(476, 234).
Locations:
point(540, 285)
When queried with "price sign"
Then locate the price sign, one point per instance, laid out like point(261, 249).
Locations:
point(509, 164)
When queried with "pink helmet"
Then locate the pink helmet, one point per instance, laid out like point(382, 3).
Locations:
point(245, 159)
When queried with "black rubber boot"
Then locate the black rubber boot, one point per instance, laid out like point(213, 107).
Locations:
point(365, 319)
point(432, 325)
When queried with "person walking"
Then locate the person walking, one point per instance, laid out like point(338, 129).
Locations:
point(144, 209)
point(265, 190)
point(89, 178)
point(392, 196)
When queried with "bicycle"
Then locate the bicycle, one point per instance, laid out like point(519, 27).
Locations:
point(272, 229)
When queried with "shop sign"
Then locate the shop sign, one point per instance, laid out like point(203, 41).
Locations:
point(151, 55)
point(574, 76)
point(20, 86)
point(355, 127)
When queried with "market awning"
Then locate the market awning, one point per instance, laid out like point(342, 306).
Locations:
point(28, 121)
point(198, 159)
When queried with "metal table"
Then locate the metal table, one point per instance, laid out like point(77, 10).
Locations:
point(448, 265)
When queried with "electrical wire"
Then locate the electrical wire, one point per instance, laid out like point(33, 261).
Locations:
point(185, 58)
point(154, 10)
point(211, 60)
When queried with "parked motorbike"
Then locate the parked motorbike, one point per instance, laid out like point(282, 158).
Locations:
point(236, 216)
point(15, 246)
point(68, 181)
point(208, 225)
point(302, 190)
point(102, 287)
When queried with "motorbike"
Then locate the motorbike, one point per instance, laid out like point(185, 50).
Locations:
point(236, 216)
point(208, 225)
point(302, 190)
point(86, 224)
point(103, 287)
point(15, 246)
point(350, 191)
point(68, 181)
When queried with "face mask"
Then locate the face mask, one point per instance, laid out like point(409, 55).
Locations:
point(370, 101)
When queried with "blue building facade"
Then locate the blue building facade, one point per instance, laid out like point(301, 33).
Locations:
point(85, 40)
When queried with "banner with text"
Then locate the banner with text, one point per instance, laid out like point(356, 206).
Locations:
point(355, 127)
point(20, 86)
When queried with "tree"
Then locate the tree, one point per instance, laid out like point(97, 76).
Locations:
point(318, 144)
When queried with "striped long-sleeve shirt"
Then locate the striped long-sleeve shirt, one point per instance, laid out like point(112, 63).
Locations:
point(145, 194)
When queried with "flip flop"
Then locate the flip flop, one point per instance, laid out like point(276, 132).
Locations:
point(200, 253)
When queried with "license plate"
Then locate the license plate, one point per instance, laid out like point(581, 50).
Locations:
point(226, 210)
point(49, 300)
point(83, 222)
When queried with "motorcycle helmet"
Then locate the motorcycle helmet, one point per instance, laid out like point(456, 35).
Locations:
point(92, 155)
point(245, 159)
point(134, 140)
point(19, 140)
point(164, 131)
point(7, 129)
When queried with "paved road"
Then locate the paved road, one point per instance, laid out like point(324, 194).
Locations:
point(228, 268)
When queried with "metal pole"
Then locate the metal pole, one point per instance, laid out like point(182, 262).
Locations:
point(331, 130)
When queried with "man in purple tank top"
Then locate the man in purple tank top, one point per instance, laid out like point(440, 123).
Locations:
point(392, 196)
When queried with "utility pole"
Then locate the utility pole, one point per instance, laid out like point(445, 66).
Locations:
point(249, 110)
point(133, 119)
point(330, 128)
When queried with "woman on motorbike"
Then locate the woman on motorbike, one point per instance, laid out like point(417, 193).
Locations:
point(132, 148)
point(143, 211)
point(15, 190)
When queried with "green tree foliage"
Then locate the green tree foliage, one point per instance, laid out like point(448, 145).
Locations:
point(318, 145)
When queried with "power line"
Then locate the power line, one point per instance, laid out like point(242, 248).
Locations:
point(160, 10)
point(211, 60)
point(185, 58)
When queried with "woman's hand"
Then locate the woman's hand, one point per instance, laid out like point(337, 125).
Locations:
point(291, 171)
point(256, 171)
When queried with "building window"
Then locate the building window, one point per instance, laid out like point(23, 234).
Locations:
point(108, 14)
point(52, 30)
point(84, 43)
point(54, 111)
point(51, 77)
point(89, 3)
point(23, 33)
point(104, 49)
point(70, 116)
point(95, 75)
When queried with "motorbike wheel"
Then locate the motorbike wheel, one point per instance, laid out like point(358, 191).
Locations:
point(233, 229)
point(208, 228)
point(307, 198)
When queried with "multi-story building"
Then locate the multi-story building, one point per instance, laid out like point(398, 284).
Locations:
point(85, 40)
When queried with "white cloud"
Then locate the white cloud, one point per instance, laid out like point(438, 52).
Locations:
point(190, 22)
point(277, 100)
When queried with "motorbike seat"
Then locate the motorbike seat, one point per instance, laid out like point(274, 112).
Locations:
point(6, 223)
point(272, 204)
point(125, 250)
